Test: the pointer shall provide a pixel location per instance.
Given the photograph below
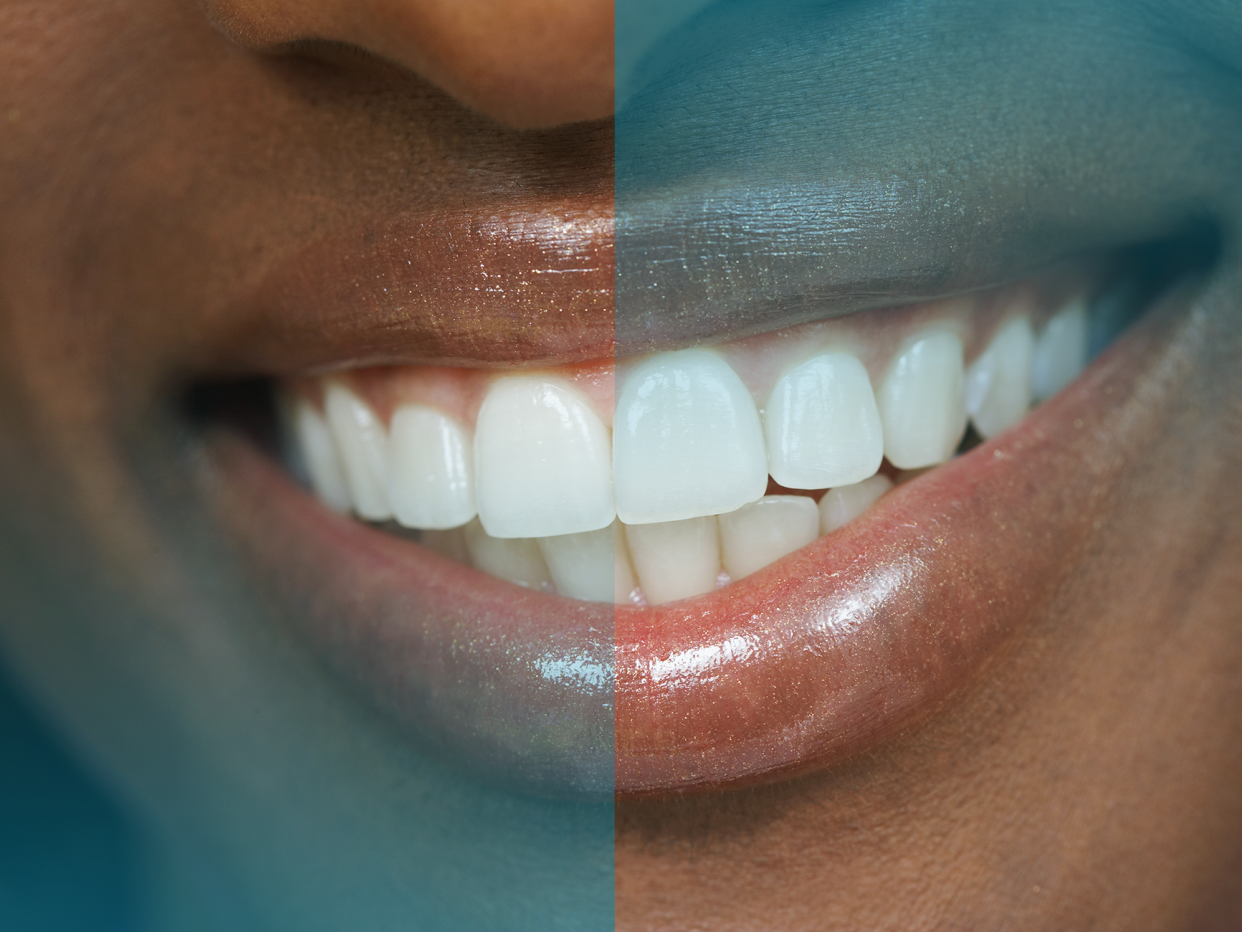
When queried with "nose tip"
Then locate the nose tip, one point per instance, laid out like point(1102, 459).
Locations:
point(525, 63)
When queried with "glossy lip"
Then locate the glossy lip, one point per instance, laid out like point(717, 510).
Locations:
point(865, 631)
point(488, 285)
point(515, 683)
point(828, 651)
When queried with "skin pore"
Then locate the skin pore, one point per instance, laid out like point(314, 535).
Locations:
point(156, 169)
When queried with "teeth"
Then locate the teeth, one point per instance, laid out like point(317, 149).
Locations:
point(543, 461)
point(363, 444)
point(669, 503)
point(515, 559)
point(822, 425)
point(688, 442)
point(624, 582)
point(840, 506)
point(323, 463)
point(922, 403)
point(1060, 351)
point(431, 469)
point(998, 383)
point(675, 559)
point(764, 531)
point(587, 566)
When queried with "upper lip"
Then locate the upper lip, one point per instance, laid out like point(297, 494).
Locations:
point(685, 275)
point(480, 286)
point(518, 286)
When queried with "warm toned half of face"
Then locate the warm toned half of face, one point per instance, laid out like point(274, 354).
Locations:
point(197, 194)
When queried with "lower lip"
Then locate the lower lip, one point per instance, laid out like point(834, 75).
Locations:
point(820, 655)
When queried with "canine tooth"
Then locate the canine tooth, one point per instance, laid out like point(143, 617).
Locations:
point(764, 531)
point(675, 559)
point(363, 445)
point(319, 454)
point(1060, 351)
point(822, 424)
point(543, 461)
point(586, 566)
point(688, 442)
point(515, 559)
point(998, 383)
point(840, 506)
point(431, 469)
point(922, 403)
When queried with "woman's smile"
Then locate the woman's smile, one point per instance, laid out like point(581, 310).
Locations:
point(721, 441)
point(815, 477)
point(785, 593)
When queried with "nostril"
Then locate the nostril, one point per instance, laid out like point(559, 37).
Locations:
point(528, 64)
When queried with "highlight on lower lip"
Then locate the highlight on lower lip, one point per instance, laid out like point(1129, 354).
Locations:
point(830, 650)
point(849, 640)
point(513, 685)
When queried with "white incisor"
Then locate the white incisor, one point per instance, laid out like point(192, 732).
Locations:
point(541, 492)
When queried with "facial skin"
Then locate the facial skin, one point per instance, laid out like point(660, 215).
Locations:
point(154, 169)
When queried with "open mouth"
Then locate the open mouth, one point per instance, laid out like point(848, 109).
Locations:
point(709, 565)
point(674, 474)
point(803, 495)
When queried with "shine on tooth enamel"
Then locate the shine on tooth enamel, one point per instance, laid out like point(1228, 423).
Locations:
point(764, 531)
point(687, 440)
point(675, 559)
point(363, 444)
point(998, 383)
point(431, 469)
point(543, 461)
point(529, 495)
point(1060, 350)
point(822, 424)
point(922, 401)
point(320, 456)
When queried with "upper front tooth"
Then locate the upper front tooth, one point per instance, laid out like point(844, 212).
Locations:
point(363, 445)
point(764, 531)
point(998, 383)
point(922, 402)
point(822, 425)
point(543, 464)
point(1060, 351)
point(319, 455)
point(688, 441)
point(431, 469)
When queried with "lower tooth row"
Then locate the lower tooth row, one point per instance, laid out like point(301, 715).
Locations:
point(663, 562)
point(535, 490)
